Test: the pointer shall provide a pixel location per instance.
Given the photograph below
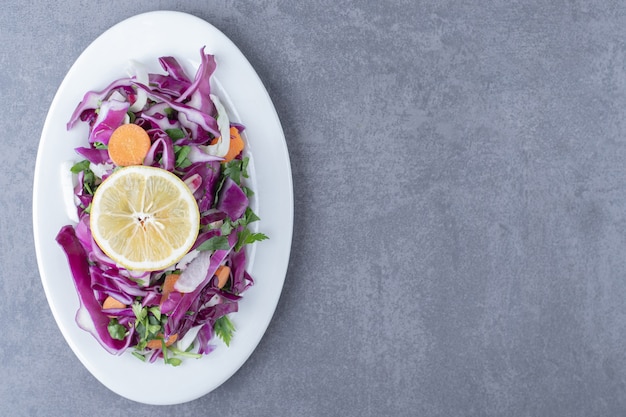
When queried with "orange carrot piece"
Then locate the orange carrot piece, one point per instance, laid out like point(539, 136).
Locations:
point(128, 145)
point(156, 343)
point(222, 273)
point(168, 286)
point(236, 145)
point(111, 302)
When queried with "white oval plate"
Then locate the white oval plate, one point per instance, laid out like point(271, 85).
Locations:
point(145, 38)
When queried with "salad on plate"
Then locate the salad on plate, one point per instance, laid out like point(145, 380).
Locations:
point(161, 214)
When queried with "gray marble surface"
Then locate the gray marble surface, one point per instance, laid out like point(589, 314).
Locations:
point(460, 208)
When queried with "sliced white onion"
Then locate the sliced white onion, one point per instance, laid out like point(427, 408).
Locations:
point(68, 183)
point(195, 273)
point(137, 70)
point(99, 170)
point(189, 337)
point(223, 123)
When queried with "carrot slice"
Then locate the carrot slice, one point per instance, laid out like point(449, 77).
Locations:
point(111, 302)
point(168, 286)
point(222, 273)
point(236, 145)
point(128, 145)
point(156, 343)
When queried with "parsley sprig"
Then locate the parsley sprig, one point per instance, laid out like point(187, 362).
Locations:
point(149, 324)
point(244, 235)
point(224, 328)
point(236, 169)
point(90, 181)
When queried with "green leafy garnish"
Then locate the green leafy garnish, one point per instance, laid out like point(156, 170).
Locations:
point(90, 181)
point(116, 330)
point(247, 191)
point(236, 169)
point(149, 324)
point(185, 353)
point(80, 166)
point(224, 328)
point(139, 311)
point(156, 312)
point(248, 217)
point(181, 153)
point(175, 134)
point(215, 243)
point(246, 237)
point(166, 357)
point(173, 361)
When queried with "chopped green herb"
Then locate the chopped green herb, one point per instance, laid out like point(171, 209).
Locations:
point(181, 153)
point(90, 181)
point(174, 361)
point(227, 227)
point(250, 216)
point(116, 330)
point(186, 353)
point(246, 237)
point(156, 312)
point(80, 166)
point(175, 134)
point(139, 311)
point(149, 324)
point(215, 243)
point(224, 328)
point(247, 191)
point(236, 169)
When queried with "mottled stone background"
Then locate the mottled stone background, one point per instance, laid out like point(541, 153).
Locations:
point(460, 208)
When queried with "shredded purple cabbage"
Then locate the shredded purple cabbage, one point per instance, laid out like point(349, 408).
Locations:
point(90, 316)
point(233, 200)
point(181, 121)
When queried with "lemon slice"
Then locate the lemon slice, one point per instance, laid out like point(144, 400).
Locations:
point(144, 218)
